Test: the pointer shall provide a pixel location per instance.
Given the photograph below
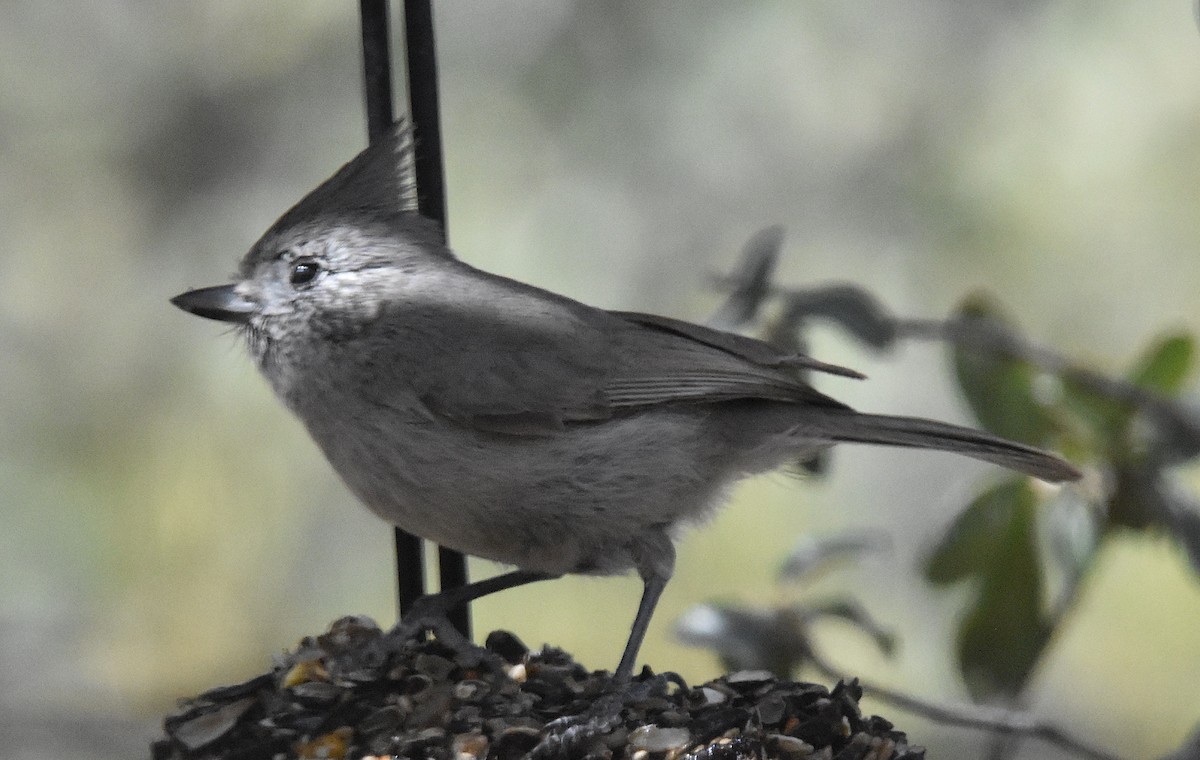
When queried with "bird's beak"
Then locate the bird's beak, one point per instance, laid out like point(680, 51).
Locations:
point(220, 303)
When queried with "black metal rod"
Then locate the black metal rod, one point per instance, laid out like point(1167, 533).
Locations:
point(377, 81)
point(377, 68)
point(421, 50)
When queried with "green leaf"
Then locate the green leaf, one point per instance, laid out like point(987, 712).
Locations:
point(1165, 365)
point(1002, 636)
point(970, 543)
point(999, 389)
point(1106, 421)
point(999, 644)
point(1100, 420)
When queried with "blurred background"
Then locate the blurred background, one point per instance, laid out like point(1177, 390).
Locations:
point(165, 525)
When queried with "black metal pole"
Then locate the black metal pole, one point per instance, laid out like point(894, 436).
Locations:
point(377, 80)
point(377, 68)
point(421, 53)
point(421, 50)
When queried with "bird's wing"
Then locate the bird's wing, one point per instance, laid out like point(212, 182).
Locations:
point(662, 360)
point(527, 362)
point(516, 366)
point(752, 350)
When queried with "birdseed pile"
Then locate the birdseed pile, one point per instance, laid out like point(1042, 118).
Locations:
point(354, 693)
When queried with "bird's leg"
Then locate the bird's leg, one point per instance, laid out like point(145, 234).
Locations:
point(652, 589)
point(654, 556)
point(655, 559)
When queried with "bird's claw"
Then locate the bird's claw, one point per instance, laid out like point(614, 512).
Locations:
point(430, 615)
point(570, 735)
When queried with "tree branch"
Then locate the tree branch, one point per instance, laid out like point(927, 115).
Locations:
point(996, 721)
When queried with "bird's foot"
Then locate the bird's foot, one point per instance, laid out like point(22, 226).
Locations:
point(430, 614)
point(572, 735)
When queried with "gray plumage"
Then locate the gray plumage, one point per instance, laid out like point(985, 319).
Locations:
point(512, 423)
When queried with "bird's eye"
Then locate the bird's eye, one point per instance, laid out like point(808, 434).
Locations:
point(304, 272)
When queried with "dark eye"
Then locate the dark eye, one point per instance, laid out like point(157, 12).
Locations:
point(303, 272)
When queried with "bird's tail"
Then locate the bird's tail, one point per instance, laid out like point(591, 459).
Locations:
point(855, 427)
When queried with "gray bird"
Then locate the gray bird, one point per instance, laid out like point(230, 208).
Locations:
point(515, 424)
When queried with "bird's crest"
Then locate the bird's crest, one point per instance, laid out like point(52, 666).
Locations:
point(377, 184)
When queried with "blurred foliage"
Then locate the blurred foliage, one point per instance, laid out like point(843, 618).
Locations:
point(779, 639)
point(164, 523)
point(998, 388)
point(993, 543)
point(1126, 432)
